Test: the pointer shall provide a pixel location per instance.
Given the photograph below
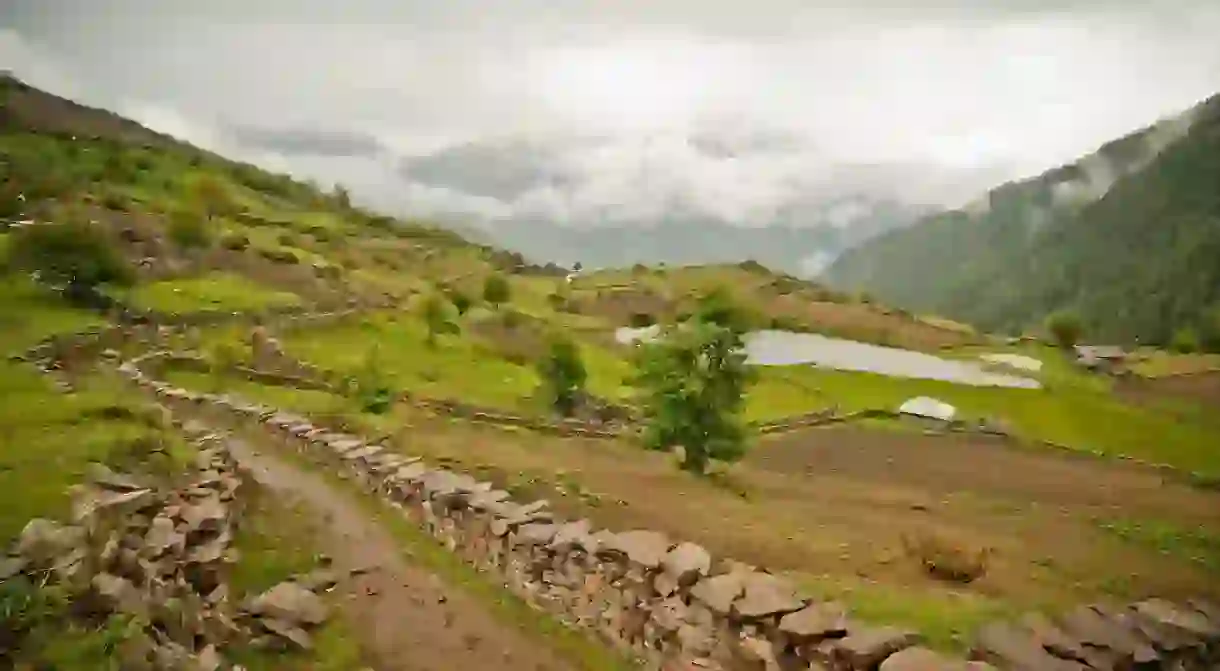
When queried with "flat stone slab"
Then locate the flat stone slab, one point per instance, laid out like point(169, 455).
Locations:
point(646, 548)
point(868, 648)
point(815, 622)
point(765, 594)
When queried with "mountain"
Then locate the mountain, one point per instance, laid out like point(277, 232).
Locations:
point(1128, 237)
point(712, 194)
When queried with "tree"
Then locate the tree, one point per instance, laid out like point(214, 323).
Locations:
point(342, 198)
point(693, 380)
point(211, 196)
point(461, 302)
point(189, 231)
point(73, 253)
point(1065, 328)
point(436, 318)
point(563, 375)
point(496, 290)
point(1185, 341)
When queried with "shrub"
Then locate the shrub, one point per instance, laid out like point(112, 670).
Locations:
point(235, 241)
point(563, 376)
point(74, 253)
point(287, 239)
point(189, 231)
point(461, 302)
point(1065, 328)
point(496, 290)
point(436, 318)
point(280, 255)
point(1185, 341)
point(641, 320)
point(944, 559)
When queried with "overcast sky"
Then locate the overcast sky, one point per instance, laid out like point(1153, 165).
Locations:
point(321, 86)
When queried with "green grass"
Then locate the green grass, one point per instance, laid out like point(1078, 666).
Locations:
point(47, 439)
point(298, 400)
point(1199, 546)
point(29, 313)
point(274, 544)
point(214, 291)
point(456, 368)
point(945, 619)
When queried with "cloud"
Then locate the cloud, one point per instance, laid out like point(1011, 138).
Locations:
point(733, 109)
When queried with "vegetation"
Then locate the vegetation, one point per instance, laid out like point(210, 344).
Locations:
point(693, 380)
point(189, 232)
point(496, 290)
point(563, 376)
point(1138, 263)
point(74, 254)
point(213, 291)
point(437, 319)
point(1065, 328)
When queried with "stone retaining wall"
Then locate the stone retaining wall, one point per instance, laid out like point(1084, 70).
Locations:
point(673, 605)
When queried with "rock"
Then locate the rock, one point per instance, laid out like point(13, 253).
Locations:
point(290, 603)
point(93, 501)
point(719, 592)
point(1091, 628)
point(119, 594)
point(1053, 639)
point(922, 659)
point(289, 632)
point(570, 535)
point(318, 580)
point(665, 584)
point(646, 548)
point(208, 659)
point(686, 563)
point(534, 534)
point(765, 595)
point(162, 536)
point(815, 622)
point(11, 566)
point(42, 540)
point(867, 649)
point(1167, 613)
point(670, 614)
point(101, 475)
point(207, 514)
point(1010, 648)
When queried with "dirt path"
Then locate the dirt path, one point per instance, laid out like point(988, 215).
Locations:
point(411, 620)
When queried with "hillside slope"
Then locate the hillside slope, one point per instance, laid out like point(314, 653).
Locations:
point(1129, 237)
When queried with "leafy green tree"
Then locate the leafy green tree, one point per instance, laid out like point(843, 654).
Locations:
point(342, 197)
point(496, 290)
point(371, 386)
point(189, 231)
point(692, 381)
point(1065, 328)
point(437, 318)
point(211, 196)
point(72, 253)
point(563, 375)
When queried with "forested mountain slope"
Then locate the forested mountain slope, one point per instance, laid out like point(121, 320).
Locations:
point(1127, 237)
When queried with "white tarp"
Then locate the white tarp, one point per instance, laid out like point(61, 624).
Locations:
point(923, 406)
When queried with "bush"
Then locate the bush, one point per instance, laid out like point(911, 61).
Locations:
point(437, 319)
point(641, 320)
point(461, 302)
point(1065, 328)
point(280, 255)
point(944, 559)
point(1185, 341)
point(189, 231)
point(73, 253)
point(287, 239)
point(496, 290)
point(563, 376)
point(235, 241)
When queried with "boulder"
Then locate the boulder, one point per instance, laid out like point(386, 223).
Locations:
point(1186, 620)
point(119, 594)
point(719, 592)
point(100, 475)
point(686, 563)
point(207, 514)
point(868, 648)
point(288, 632)
point(571, 535)
point(533, 534)
point(764, 595)
point(162, 536)
point(42, 541)
point(646, 548)
point(291, 603)
point(1008, 647)
point(815, 622)
point(1092, 628)
point(923, 659)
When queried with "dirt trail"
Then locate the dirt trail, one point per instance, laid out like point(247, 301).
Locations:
point(410, 620)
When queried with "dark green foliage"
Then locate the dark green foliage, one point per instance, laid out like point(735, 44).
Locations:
point(692, 381)
point(1140, 262)
point(461, 302)
point(280, 255)
point(189, 231)
point(496, 290)
point(1064, 328)
point(641, 320)
point(234, 241)
point(70, 253)
point(563, 376)
point(437, 318)
point(370, 385)
point(1185, 341)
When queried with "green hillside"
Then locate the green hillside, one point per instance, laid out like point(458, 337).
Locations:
point(1140, 262)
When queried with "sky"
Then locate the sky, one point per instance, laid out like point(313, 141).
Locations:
point(949, 98)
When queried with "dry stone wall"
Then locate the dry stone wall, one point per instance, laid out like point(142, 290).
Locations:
point(673, 605)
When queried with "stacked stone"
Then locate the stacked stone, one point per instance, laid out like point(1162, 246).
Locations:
point(670, 604)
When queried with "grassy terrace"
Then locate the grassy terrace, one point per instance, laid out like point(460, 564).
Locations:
point(214, 291)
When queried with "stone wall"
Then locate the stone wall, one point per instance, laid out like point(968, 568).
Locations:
point(673, 605)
